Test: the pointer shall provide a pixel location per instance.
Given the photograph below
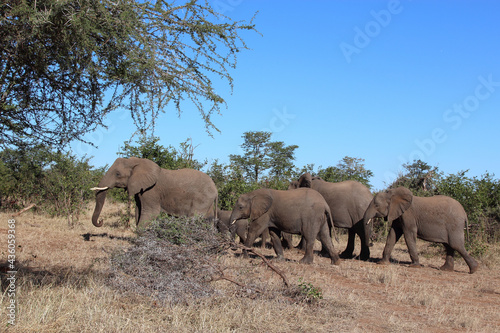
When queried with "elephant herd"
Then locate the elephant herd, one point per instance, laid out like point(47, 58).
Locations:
point(311, 207)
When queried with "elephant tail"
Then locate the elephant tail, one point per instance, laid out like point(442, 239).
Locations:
point(329, 220)
point(467, 228)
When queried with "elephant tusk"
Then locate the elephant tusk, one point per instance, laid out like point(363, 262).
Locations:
point(99, 188)
point(369, 221)
point(234, 221)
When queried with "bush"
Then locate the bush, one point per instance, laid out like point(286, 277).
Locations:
point(58, 183)
point(171, 260)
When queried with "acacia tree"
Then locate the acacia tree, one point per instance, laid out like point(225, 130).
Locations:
point(65, 64)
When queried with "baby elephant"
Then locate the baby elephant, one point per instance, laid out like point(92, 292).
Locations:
point(303, 211)
point(439, 219)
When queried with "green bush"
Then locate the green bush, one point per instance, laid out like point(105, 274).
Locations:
point(58, 183)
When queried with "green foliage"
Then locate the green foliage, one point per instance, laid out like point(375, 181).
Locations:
point(480, 197)
point(230, 183)
point(420, 178)
point(349, 168)
point(261, 154)
point(64, 65)
point(310, 292)
point(255, 159)
point(167, 158)
point(57, 182)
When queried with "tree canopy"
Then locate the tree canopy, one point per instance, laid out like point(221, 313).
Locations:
point(261, 154)
point(65, 64)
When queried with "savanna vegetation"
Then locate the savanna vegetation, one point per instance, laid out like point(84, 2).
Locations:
point(64, 66)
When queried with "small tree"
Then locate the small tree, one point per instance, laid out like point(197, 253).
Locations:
point(349, 168)
point(264, 160)
point(255, 160)
point(419, 177)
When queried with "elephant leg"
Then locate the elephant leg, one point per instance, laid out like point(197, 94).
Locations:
point(287, 242)
point(302, 244)
point(326, 243)
point(276, 238)
point(348, 252)
point(411, 243)
point(241, 231)
point(471, 262)
point(308, 256)
point(393, 237)
point(249, 242)
point(365, 250)
point(265, 236)
point(449, 262)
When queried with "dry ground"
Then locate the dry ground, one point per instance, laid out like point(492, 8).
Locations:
point(60, 289)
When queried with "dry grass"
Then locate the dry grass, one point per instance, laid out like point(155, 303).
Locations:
point(62, 287)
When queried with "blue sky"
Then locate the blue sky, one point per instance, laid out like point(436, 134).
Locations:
point(386, 81)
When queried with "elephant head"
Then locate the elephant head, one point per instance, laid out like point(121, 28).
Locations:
point(304, 181)
point(251, 205)
point(390, 204)
point(133, 174)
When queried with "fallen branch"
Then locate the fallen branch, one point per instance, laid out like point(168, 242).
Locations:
point(279, 272)
point(23, 210)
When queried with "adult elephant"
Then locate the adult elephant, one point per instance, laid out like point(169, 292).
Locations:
point(184, 192)
point(303, 212)
point(348, 201)
point(438, 219)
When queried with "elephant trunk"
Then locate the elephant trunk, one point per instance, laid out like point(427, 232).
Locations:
point(100, 197)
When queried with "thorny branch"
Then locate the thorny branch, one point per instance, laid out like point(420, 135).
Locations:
point(267, 262)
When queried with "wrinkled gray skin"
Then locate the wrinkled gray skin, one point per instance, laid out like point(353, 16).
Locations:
point(184, 192)
point(438, 219)
point(303, 211)
point(240, 227)
point(348, 201)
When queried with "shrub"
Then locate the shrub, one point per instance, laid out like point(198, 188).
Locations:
point(171, 260)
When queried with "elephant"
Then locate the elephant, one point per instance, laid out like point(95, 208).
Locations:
point(184, 192)
point(348, 201)
point(239, 227)
point(303, 211)
point(438, 219)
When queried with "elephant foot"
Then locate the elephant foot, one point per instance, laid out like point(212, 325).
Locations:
point(364, 256)
point(416, 265)
point(336, 261)
point(279, 258)
point(383, 262)
point(447, 267)
point(305, 260)
point(346, 255)
point(473, 268)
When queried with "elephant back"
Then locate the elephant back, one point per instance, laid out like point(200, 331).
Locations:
point(187, 192)
point(348, 200)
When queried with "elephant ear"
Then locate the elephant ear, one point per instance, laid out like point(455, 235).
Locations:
point(400, 201)
point(305, 180)
point(144, 174)
point(261, 203)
